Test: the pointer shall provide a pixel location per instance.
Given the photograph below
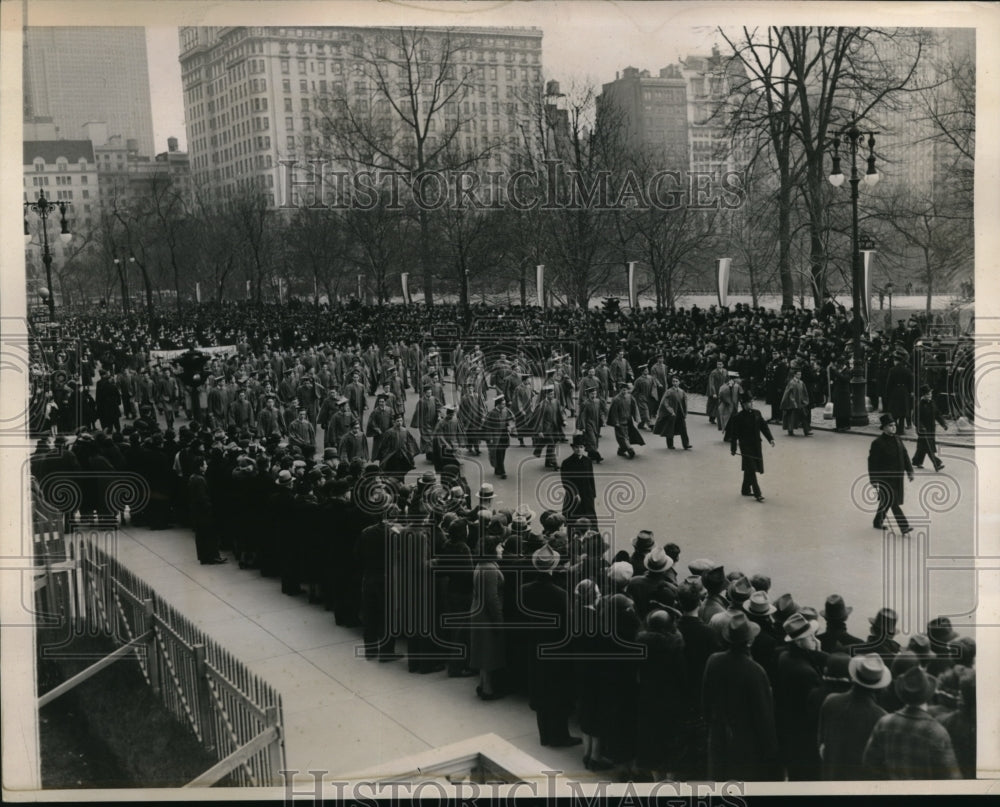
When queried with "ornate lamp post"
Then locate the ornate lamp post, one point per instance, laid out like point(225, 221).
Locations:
point(853, 137)
point(43, 207)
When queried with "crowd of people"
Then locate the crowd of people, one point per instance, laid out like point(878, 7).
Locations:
point(309, 419)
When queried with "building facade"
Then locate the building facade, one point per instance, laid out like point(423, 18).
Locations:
point(256, 97)
point(80, 74)
point(651, 112)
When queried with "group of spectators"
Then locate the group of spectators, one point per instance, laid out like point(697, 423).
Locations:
point(695, 675)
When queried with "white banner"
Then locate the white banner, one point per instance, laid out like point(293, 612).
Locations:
point(866, 287)
point(360, 295)
point(282, 287)
point(540, 284)
point(724, 264)
point(633, 297)
point(197, 291)
point(217, 350)
point(248, 289)
point(405, 280)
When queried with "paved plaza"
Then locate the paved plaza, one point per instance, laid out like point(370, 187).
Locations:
point(813, 535)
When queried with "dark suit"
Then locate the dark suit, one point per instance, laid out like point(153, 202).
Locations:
point(546, 607)
point(797, 673)
point(887, 462)
point(579, 487)
point(745, 430)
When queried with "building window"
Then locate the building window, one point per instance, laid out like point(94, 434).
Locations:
point(303, 86)
point(284, 66)
point(286, 85)
point(288, 105)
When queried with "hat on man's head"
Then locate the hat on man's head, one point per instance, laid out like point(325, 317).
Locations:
point(786, 607)
point(485, 491)
point(798, 627)
point(886, 420)
point(284, 479)
point(915, 687)
point(836, 667)
point(925, 388)
point(545, 559)
point(920, 645)
point(644, 540)
point(427, 478)
point(738, 629)
point(939, 630)
point(835, 609)
point(523, 514)
point(579, 441)
point(739, 590)
point(715, 575)
point(757, 604)
point(885, 619)
point(593, 543)
point(658, 560)
point(701, 565)
point(733, 374)
point(869, 671)
point(760, 582)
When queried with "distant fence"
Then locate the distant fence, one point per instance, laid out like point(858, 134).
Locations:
point(234, 714)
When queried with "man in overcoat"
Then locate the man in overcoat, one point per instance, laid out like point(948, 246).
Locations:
point(579, 487)
point(888, 460)
point(739, 708)
point(547, 427)
point(622, 414)
point(745, 430)
point(497, 427)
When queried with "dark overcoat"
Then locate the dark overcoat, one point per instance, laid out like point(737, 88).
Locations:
point(887, 462)
point(745, 430)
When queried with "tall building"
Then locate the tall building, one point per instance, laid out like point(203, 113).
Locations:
point(81, 74)
point(652, 112)
point(252, 95)
point(710, 81)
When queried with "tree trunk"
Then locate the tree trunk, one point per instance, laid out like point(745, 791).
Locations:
point(425, 257)
point(785, 236)
point(523, 281)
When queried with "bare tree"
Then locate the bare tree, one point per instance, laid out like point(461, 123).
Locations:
point(802, 85)
point(410, 102)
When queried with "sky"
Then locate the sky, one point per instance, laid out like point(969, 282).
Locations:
point(581, 48)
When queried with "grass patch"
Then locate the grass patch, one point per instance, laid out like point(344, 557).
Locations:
point(111, 731)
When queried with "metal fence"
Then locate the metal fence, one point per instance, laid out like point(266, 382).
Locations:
point(235, 715)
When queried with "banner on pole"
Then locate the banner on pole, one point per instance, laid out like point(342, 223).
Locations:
point(724, 264)
point(282, 286)
point(360, 295)
point(866, 288)
point(633, 297)
point(248, 289)
point(405, 280)
point(540, 283)
point(197, 291)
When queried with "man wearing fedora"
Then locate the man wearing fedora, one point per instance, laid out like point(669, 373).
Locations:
point(846, 719)
point(652, 585)
point(888, 460)
point(928, 416)
point(642, 545)
point(622, 414)
point(760, 610)
point(909, 743)
point(798, 671)
point(715, 584)
point(497, 428)
point(836, 638)
point(738, 706)
point(579, 486)
point(546, 609)
point(745, 430)
point(883, 628)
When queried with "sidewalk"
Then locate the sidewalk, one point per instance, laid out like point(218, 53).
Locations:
point(341, 713)
point(951, 437)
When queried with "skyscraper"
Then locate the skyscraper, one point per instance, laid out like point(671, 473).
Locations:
point(81, 74)
point(652, 112)
point(256, 96)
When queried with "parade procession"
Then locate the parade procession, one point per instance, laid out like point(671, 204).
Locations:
point(430, 414)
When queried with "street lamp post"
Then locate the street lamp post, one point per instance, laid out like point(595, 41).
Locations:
point(123, 276)
point(853, 137)
point(43, 207)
